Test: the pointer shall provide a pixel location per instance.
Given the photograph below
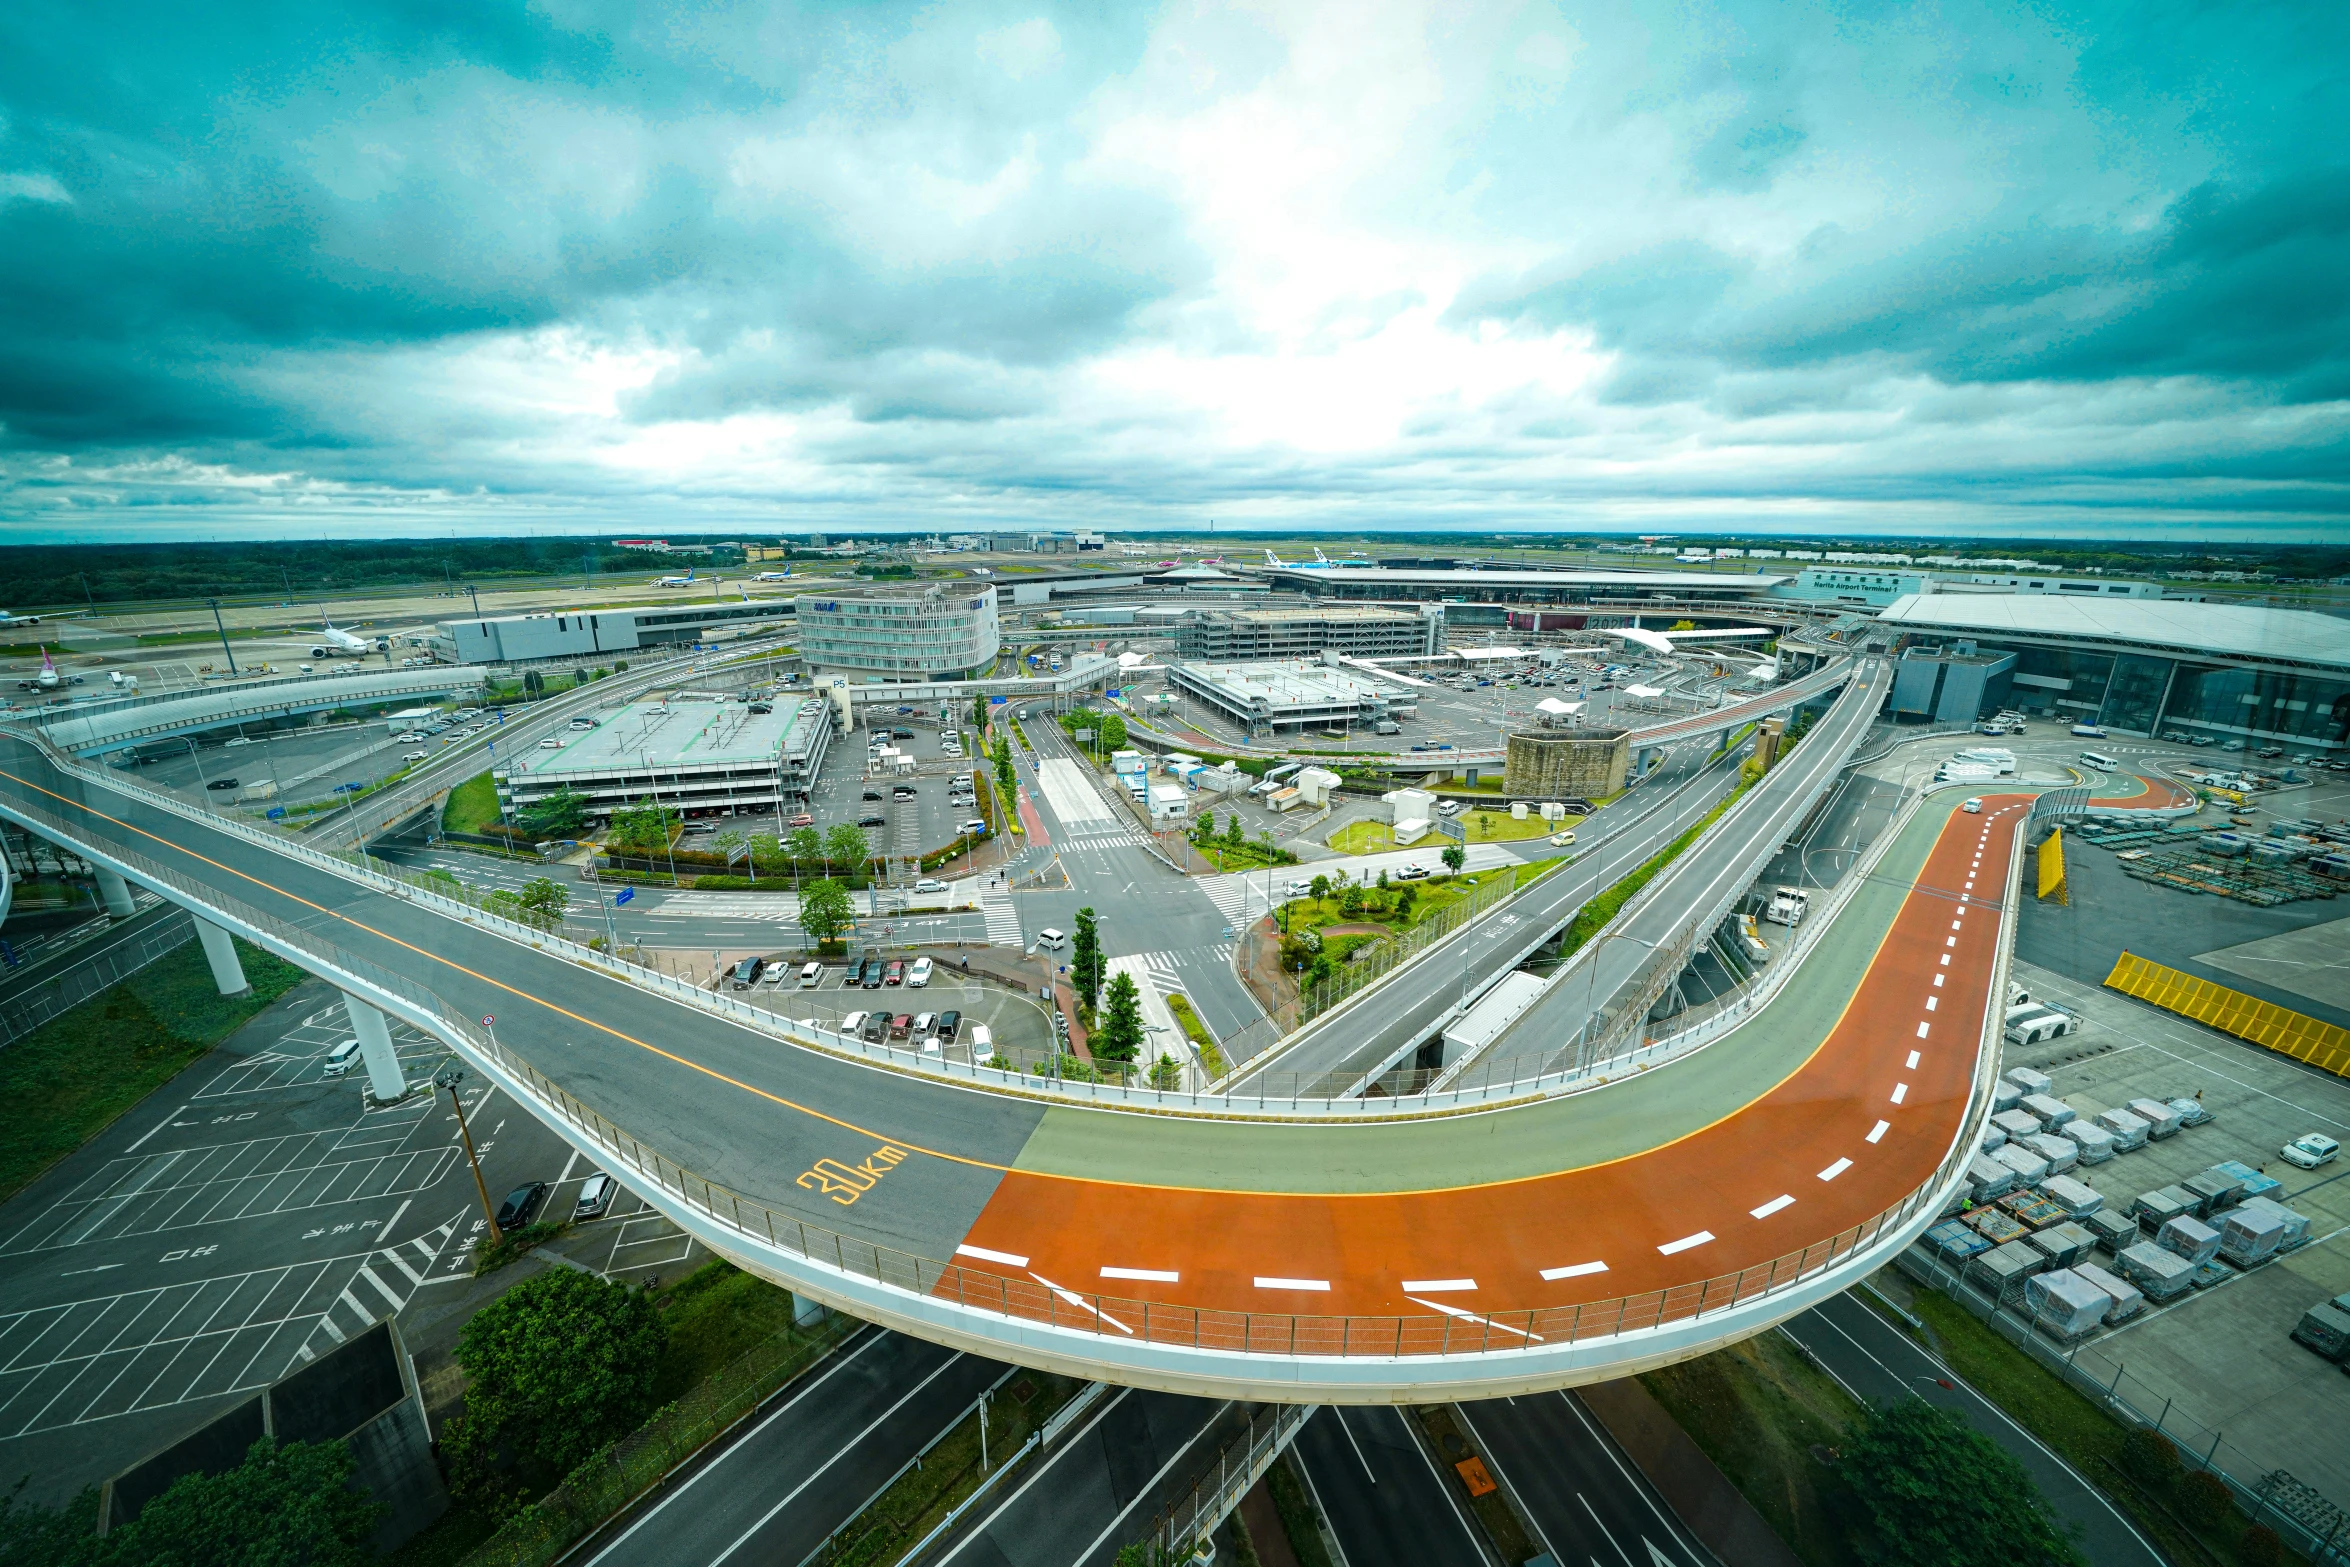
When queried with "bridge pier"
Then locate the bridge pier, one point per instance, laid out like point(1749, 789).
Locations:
point(116, 892)
point(220, 949)
point(386, 1084)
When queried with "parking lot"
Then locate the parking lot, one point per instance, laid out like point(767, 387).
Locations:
point(851, 788)
point(303, 764)
point(1016, 1021)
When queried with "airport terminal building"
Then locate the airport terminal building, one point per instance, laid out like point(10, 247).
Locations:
point(2151, 667)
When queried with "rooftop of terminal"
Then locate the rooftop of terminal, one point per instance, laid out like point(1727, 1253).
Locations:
point(2195, 630)
point(681, 731)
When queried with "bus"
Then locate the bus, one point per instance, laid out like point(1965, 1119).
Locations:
point(2104, 764)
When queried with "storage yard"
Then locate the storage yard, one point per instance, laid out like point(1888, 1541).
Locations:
point(2190, 1268)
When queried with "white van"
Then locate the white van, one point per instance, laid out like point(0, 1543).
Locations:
point(1054, 939)
point(810, 974)
point(981, 1040)
point(342, 1058)
point(2103, 763)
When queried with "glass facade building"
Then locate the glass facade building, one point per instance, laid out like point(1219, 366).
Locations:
point(905, 633)
point(2222, 672)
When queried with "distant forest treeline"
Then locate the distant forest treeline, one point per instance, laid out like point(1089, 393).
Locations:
point(69, 576)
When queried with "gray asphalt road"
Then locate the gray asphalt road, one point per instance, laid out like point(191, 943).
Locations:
point(1877, 1362)
point(1382, 1494)
point(812, 1460)
point(1584, 1499)
point(1103, 1486)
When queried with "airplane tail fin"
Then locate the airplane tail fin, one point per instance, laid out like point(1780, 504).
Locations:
point(1272, 559)
point(1319, 557)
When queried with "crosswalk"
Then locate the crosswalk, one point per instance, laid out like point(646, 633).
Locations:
point(1237, 898)
point(1115, 839)
point(1003, 920)
point(380, 1288)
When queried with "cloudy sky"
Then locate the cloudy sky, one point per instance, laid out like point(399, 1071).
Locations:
point(468, 265)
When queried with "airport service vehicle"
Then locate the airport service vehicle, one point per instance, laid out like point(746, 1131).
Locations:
point(919, 974)
point(241, 740)
point(1788, 906)
point(2100, 761)
point(341, 1059)
point(2088, 732)
point(595, 1196)
point(2310, 1150)
point(1973, 805)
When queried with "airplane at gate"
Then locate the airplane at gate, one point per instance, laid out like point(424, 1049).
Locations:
point(344, 644)
point(685, 581)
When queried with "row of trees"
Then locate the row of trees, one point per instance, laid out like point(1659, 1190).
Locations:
point(1118, 1031)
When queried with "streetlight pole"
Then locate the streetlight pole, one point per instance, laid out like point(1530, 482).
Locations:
point(222, 627)
point(449, 1077)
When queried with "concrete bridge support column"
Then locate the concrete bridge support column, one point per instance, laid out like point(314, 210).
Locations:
point(117, 894)
point(220, 949)
point(385, 1082)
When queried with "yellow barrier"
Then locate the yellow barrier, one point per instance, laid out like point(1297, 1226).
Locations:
point(2303, 1038)
point(2052, 868)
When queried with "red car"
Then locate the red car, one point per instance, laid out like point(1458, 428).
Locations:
point(895, 974)
point(803, 820)
point(901, 1025)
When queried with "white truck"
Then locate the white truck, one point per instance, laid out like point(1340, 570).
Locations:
point(1788, 906)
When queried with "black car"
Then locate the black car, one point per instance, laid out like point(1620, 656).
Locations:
point(871, 978)
point(222, 783)
point(521, 1204)
point(876, 1027)
point(747, 972)
point(949, 1022)
point(873, 821)
point(901, 734)
point(873, 794)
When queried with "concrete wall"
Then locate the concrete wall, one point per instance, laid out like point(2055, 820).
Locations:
point(1568, 764)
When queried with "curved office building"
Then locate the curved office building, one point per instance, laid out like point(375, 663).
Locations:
point(904, 633)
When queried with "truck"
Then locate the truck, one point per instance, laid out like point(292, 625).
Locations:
point(2032, 1022)
point(1965, 772)
point(1788, 906)
point(1387, 726)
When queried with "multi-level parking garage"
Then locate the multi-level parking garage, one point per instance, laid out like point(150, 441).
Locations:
point(1340, 1249)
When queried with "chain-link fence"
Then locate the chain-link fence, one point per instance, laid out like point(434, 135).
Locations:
point(23, 1013)
point(1194, 1516)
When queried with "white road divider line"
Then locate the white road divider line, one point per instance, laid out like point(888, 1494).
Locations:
point(1670, 1248)
point(1915, 1056)
point(1267, 1283)
point(1922, 1028)
point(1082, 1304)
point(984, 1255)
point(1879, 1130)
point(1470, 1316)
point(1574, 1271)
point(1437, 1286)
point(1900, 1092)
point(1773, 1206)
point(1143, 1275)
point(1836, 1169)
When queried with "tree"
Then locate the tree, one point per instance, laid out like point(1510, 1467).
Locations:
point(1350, 902)
point(1085, 958)
point(805, 846)
point(545, 898)
point(555, 1368)
point(825, 911)
point(1166, 1073)
point(1941, 1494)
point(1003, 765)
point(1405, 896)
point(979, 713)
point(642, 827)
point(766, 852)
point(731, 842)
point(1235, 834)
point(1454, 858)
point(1120, 1036)
point(285, 1503)
point(1110, 735)
point(846, 848)
point(559, 815)
point(1319, 887)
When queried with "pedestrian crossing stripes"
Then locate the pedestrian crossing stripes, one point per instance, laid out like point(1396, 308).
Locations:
point(1003, 920)
point(1095, 840)
point(1237, 898)
point(380, 1288)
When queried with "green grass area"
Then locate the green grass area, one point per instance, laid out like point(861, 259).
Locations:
point(1363, 838)
point(1187, 1018)
point(715, 1313)
point(1300, 1521)
point(471, 806)
point(1226, 855)
point(2084, 1435)
point(1757, 1409)
point(1492, 1513)
point(74, 1075)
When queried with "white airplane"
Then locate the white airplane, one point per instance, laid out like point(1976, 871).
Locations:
point(343, 644)
point(1662, 641)
point(1320, 562)
point(7, 619)
point(774, 576)
point(685, 581)
point(48, 679)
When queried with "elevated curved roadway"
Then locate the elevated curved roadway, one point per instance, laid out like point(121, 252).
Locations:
point(1552, 1241)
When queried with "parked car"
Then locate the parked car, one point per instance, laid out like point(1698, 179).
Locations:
point(874, 820)
point(854, 1022)
point(747, 972)
point(901, 1026)
point(871, 979)
point(218, 784)
point(925, 1023)
point(2310, 1150)
point(1448, 807)
point(550, 744)
point(895, 974)
point(811, 976)
point(521, 1205)
point(982, 1041)
point(342, 1058)
point(242, 740)
point(875, 1029)
point(919, 974)
point(595, 1196)
point(416, 756)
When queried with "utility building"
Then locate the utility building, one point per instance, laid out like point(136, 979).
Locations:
point(700, 756)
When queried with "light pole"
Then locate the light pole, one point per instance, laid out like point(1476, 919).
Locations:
point(449, 1077)
point(222, 627)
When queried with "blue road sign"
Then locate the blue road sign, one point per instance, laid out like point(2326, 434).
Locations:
point(623, 895)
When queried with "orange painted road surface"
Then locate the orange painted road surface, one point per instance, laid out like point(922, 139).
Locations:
point(1857, 1126)
point(2160, 794)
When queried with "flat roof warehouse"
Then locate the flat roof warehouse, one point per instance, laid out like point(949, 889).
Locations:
point(696, 754)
